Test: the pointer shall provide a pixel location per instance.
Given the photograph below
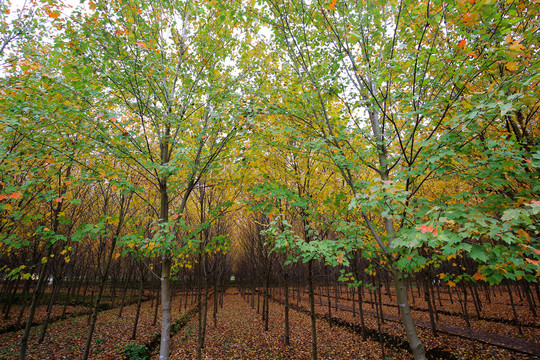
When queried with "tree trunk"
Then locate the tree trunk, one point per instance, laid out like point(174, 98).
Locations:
point(56, 290)
point(287, 335)
point(516, 319)
point(138, 311)
point(430, 308)
point(26, 291)
point(33, 306)
point(12, 294)
point(415, 344)
point(312, 310)
point(165, 308)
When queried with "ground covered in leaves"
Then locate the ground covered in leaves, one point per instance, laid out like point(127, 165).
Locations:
point(239, 332)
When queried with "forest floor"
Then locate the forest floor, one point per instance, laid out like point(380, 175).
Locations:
point(239, 333)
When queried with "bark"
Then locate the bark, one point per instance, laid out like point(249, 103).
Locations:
point(7, 306)
point(33, 307)
point(312, 311)
point(287, 331)
point(415, 344)
point(516, 319)
point(138, 311)
point(165, 308)
point(430, 308)
point(56, 290)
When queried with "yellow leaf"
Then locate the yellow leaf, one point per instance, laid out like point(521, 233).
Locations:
point(516, 46)
point(26, 276)
point(451, 283)
point(511, 66)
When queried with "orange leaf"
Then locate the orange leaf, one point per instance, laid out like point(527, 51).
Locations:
point(332, 5)
point(524, 234)
point(451, 283)
point(478, 276)
point(462, 44)
point(2, 197)
point(534, 262)
point(16, 195)
point(52, 14)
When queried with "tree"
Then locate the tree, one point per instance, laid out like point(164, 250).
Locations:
point(383, 89)
point(163, 68)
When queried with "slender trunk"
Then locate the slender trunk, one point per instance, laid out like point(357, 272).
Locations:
point(97, 301)
point(516, 319)
point(216, 302)
point(124, 295)
point(430, 308)
point(287, 336)
point(361, 311)
point(475, 303)
point(33, 306)
point(433, 303)
point(329, 304)
point(378, 304)
point(68, 296)
point(530, 299)
point(200, 309)
point(156, 308)
point(464, 306)
point(312, 309)
point(138, 311)
point(165, 308)
point(379, 286)
point(415, 344)
point(7, 306)
point(56, 290)
point(26, 291)
point(93, 320)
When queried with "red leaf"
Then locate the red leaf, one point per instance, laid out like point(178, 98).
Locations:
point(59, 200)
